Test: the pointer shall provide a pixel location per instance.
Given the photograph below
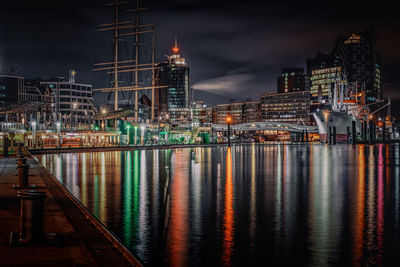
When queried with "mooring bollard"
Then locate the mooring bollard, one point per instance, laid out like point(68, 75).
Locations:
point(19, 151)
point(31, 215)
point(5, 146)
point(23, 172)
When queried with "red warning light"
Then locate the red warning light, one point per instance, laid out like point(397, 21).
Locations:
point(175, 50)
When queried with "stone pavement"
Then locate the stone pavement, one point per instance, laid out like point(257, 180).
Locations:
point(79, 242)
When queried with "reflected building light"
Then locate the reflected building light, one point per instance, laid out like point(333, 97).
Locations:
point(156, 191)
point(75, 189)
point(127, 206)
point(278, 197)
point(179, 211)
point(84, 180)
point(103, 194)
point(219, 197)
point(253, 192)
point(143, 230)
point(195, 194)
point(320, 210)
point(59, 168)
point(370, 231)
point(358, 225)
point(397, 183)
point(380, 206)
point(135, 196)
point(228, 241)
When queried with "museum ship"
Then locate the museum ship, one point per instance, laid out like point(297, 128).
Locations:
point(343, 108)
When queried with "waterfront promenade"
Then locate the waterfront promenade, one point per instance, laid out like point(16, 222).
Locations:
point(80, 240)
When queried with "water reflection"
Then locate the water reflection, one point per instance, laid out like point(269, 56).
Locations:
point(282, 204)
point(228, 212)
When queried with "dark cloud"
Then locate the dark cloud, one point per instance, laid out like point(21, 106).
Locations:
point(233, 47)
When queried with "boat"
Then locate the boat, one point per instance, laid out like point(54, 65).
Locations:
point(342, 116)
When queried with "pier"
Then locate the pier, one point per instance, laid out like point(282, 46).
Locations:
point(71, 235)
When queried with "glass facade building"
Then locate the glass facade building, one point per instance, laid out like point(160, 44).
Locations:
point(174, 75)
point(357, 57)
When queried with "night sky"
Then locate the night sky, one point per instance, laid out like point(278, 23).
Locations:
point(234, 48)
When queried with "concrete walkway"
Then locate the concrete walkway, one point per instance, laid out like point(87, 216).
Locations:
point(80, 242)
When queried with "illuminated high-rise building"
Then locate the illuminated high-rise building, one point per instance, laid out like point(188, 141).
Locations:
point(174, 75)
point(357, 57)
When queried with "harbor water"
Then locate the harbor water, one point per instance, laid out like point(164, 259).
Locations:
point(248, 205)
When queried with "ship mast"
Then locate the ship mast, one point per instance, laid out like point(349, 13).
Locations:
point(137, 60)
point(116, 56)
point(134, 65)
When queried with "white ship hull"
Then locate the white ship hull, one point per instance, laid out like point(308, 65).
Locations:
point(340, 120)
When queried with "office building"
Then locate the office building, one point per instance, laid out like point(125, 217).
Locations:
point(174, 75)
point(291, 80)
point(287, 107)
point(72, 101)
point(357, 57)
point(240, 112)
point(19, 100)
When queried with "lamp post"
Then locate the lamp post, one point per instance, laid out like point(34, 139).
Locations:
point(128, 127)
point(229, 121)
point(58, 125)
point(34, 133)
point(104, 111)
point(74, 116)
point(142, 135)
point(135, 135)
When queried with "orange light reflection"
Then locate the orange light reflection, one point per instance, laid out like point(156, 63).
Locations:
point(228, 213)
point(358, 225)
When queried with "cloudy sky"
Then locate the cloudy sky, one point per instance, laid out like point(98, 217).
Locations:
point(235, 49)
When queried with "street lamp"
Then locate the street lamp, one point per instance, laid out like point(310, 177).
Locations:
point(135, 135)
point(142, 137)
point(229, 121)
point(104, 111)
point(74, 116)
point(128, 127)
point(34, 133)
point(58, 125)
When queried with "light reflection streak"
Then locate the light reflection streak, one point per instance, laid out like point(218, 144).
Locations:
point(135, 198)
point(84, 179)
point(155, 192)
point(397, 185)
point(195, 193)
point(370, 244)
point(380, 203)
point(358, 225)
point(178, 228)
point(228, 213)
point(278, 198)
point(127, 212)
point(253, 192)
point(75, 189)
point(320, 209)
point(103, 195)
point(59, 168)
point(143, 212)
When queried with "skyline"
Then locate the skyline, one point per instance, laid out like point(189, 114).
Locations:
point(229, 51)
